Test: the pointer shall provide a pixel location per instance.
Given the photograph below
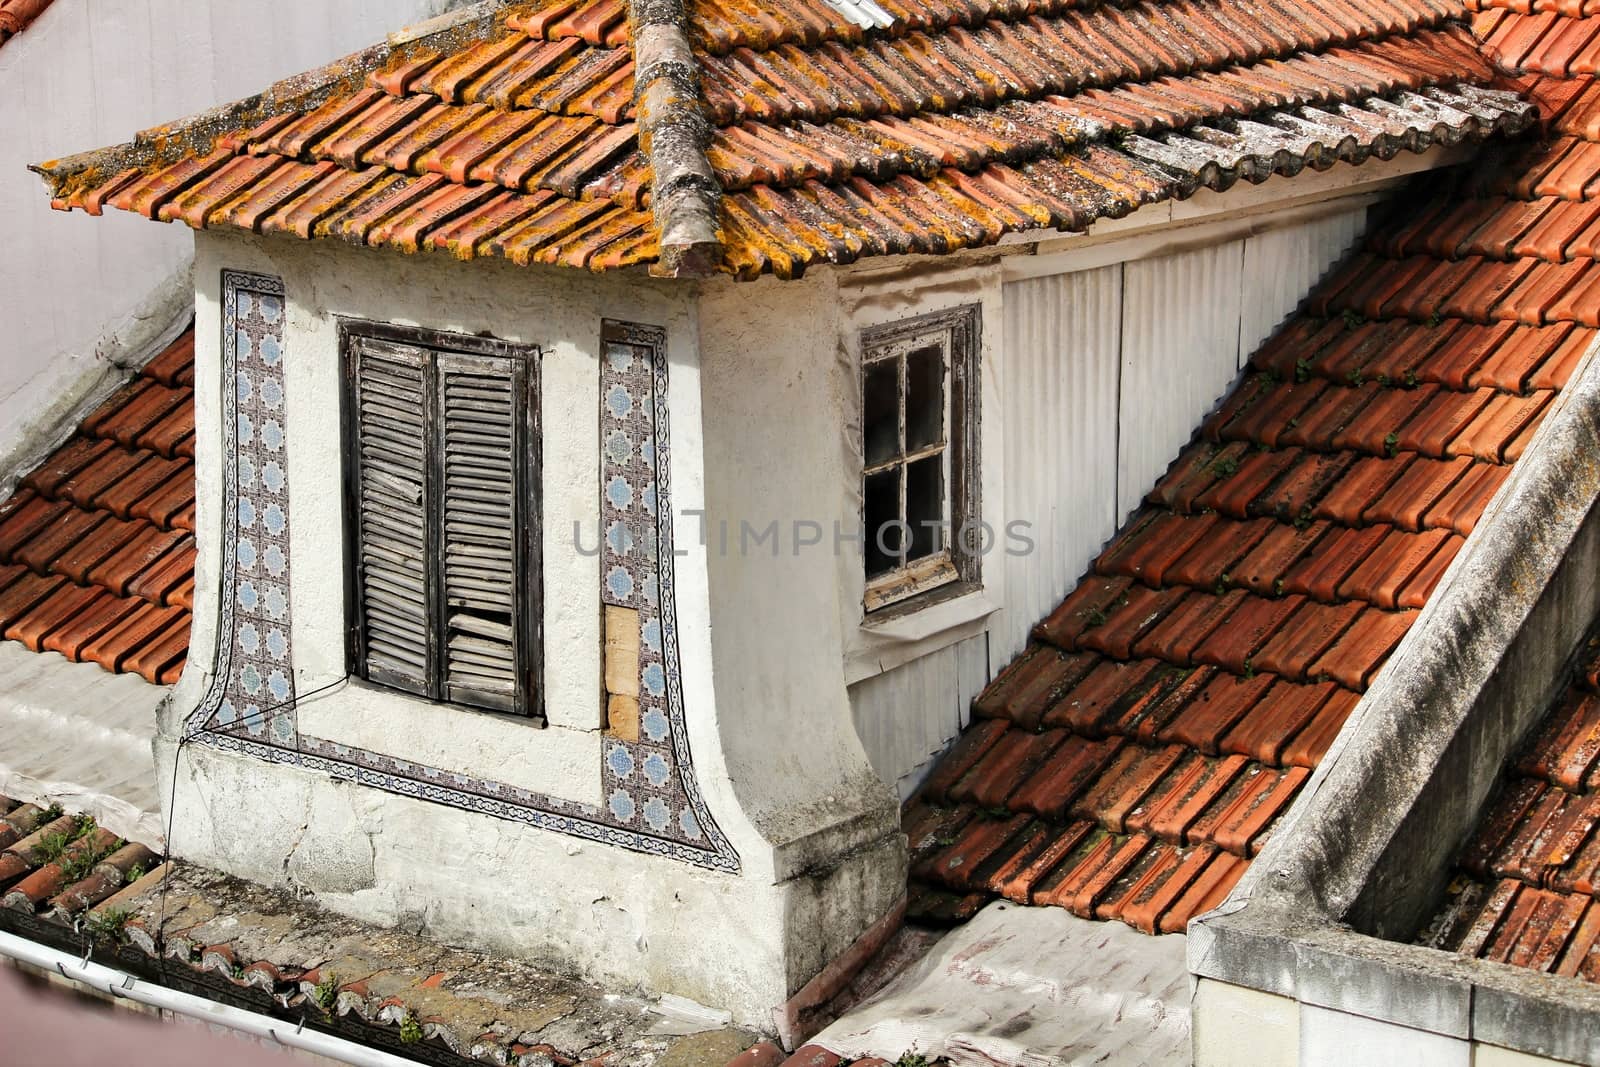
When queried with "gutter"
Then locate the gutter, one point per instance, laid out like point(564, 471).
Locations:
point(120, 985)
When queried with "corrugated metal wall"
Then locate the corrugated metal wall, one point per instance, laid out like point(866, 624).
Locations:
point(1098, 393)
point(907, 716)
point(1282, 265)
point(1101, 378)
point(1060, 464)
point(1180, 351)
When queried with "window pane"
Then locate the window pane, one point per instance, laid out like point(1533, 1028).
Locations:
point(924, 398)
point(883, 516)
point(880, 412)
point(925, 506)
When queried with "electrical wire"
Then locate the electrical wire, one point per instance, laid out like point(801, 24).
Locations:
point(184, 739)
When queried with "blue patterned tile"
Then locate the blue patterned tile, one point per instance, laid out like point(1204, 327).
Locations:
point(621, 805)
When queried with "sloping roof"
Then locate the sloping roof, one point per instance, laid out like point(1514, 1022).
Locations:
point(18, 15)
point(1134, 759)
point(1528, 885)
point(515, 133)
point(60, 866)
point(97, 545)
point(72, 885)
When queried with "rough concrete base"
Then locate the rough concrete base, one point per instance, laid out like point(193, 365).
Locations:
point(73, 734)
point(622, 919)
point(1031, 987)
point(273, 952)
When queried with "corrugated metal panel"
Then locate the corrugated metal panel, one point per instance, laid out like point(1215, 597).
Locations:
point(1101, 378)
point(1057, 384)
point(1281, 266)
point(907, 716)
point(1180, 352)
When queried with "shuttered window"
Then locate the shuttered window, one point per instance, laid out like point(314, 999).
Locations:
point(443, 511)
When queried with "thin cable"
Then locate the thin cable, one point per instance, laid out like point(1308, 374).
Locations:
point(172, 801)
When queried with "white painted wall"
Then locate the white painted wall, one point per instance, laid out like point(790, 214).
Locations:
point(817, 833)
point(82, 295)
point(773, 636)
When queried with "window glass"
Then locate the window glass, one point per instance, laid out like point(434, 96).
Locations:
point(918, 448)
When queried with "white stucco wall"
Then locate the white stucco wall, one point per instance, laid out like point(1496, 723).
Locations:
point(84, 295)
point(745, 942)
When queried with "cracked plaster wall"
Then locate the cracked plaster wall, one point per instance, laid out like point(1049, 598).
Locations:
point(821, 855)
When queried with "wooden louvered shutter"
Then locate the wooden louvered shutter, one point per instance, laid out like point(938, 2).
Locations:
point(393, 397)
point(482, 442)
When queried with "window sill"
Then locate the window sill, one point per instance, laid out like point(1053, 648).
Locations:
point(906, 632)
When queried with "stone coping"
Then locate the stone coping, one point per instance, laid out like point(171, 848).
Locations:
point(1362, 859)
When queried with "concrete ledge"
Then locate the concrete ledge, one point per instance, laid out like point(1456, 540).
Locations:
point(1362, 858)
point(1422, 989)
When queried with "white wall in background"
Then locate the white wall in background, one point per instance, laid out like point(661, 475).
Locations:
point(77, 294)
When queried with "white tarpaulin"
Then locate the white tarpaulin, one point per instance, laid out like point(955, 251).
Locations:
point(73, 734)
point(1031, 987)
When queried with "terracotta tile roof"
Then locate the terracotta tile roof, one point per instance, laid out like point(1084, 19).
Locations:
point(1527, 890)
point(954, 125)
point(63, 868)
point(18, 15)
point(70, 884)
point(1131, 762)
point(97, 544)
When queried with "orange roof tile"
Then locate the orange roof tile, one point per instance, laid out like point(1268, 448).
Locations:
point(955, 124)
point(1528, 885)
point(1130, 763)
point(97, 544)
point(18, 15)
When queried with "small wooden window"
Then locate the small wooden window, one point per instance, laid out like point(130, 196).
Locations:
point(919, 454)
point(443, 508)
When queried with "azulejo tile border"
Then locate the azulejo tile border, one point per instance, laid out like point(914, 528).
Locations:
point(649, 783)
point(253, 691)
point(250, 706)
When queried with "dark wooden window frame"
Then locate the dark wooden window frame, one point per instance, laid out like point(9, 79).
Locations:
point(528, 598)
point(912, 588)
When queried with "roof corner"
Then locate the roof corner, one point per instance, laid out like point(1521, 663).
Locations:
point(18, 15)
point(675, 134)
